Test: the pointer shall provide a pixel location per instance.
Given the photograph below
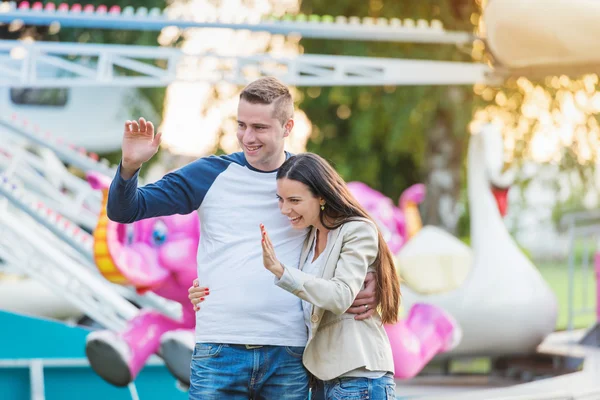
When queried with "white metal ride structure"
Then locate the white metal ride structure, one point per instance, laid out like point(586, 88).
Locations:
point(44, 64)
point(45, 257)
point(44, 174)
point(74, 240)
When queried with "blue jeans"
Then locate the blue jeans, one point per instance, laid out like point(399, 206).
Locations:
point(351, 388)
point(231, 371)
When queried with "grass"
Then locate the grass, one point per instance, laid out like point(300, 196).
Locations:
point(557, 276)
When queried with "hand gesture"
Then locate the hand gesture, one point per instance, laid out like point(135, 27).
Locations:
point(269, 258)
point(197, 294)
point(139, 144)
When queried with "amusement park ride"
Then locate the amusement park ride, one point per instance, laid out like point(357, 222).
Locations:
point(497, 300)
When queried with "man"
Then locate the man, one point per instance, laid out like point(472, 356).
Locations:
point(250, 334)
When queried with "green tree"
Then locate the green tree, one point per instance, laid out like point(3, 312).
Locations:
point(392, 137)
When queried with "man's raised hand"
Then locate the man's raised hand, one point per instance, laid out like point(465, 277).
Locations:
point(139, 145)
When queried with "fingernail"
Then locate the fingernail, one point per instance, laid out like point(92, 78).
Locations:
point(201, 298)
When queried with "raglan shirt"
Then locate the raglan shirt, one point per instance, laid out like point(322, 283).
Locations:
point(232, 199)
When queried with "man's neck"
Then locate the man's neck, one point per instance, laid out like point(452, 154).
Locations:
point(271, 165)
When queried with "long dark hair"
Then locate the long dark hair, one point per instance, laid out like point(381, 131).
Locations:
point(341, 207)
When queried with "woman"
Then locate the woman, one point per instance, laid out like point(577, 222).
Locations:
point(353, 359)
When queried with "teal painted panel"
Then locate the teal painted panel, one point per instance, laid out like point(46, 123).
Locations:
point(14, 384)
point(39, 338)
point(83, 383)
point(24, 337)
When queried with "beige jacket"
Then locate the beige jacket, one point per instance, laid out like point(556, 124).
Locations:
point(338, 342)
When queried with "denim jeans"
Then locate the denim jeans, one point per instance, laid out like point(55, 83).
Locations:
point(352, 388)
point(229, 371)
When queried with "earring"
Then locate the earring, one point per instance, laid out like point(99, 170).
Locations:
point(322, 207)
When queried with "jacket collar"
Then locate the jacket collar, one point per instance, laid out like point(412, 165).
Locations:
point(333, 236)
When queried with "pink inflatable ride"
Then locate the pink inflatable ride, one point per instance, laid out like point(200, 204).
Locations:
point(158, 255)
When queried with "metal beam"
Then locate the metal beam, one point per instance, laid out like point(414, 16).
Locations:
point(311, 26)
point(49, 64)
point(74, 156)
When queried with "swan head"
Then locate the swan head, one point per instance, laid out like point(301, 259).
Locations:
point(500, 175)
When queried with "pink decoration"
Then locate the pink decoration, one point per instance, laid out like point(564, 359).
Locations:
point(426, 332)
point(159, 255)
point(391, 219)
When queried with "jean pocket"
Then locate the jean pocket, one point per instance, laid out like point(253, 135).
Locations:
point(206, 350)
point(295, 351)
point(349, 389)
point(390, 392)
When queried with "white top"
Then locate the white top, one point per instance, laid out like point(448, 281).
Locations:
point(314, 268)
point(244, 307)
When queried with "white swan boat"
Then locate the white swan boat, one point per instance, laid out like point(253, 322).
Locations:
point(499, 298)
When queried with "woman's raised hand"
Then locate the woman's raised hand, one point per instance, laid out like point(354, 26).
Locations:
point(270, 260)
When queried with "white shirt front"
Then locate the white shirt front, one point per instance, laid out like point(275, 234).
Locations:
point(313, 268)
point(244, 307)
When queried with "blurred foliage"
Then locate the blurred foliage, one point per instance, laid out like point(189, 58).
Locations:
point(382, 135)
point(574, 203)
point(552, 120)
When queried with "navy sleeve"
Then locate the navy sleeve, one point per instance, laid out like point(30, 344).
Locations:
point(179, 192)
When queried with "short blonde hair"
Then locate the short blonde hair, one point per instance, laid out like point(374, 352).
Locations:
point(270, 90)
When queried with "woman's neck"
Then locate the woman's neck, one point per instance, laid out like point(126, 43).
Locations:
point(320, 239)
point(321, 228)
